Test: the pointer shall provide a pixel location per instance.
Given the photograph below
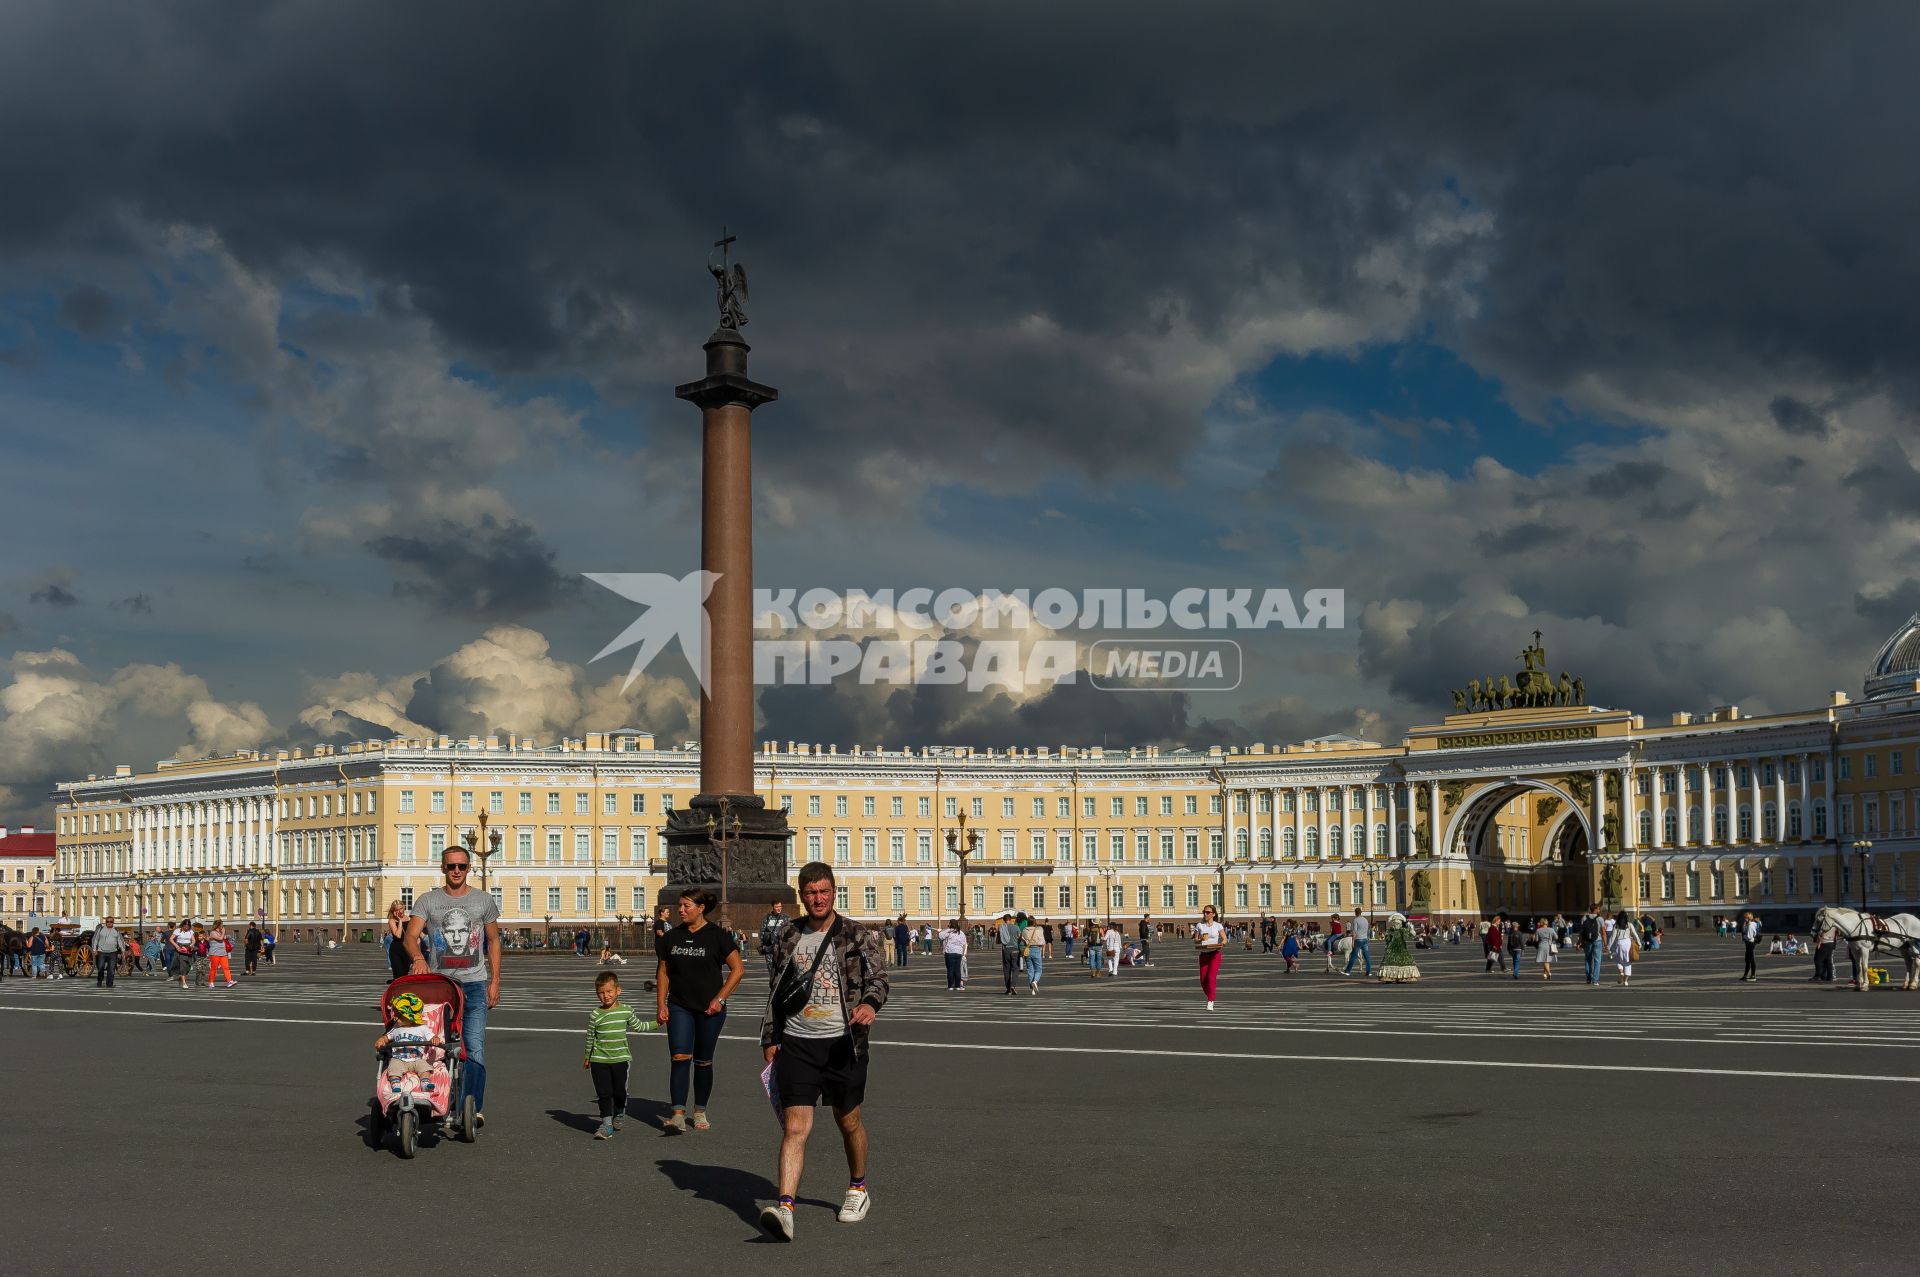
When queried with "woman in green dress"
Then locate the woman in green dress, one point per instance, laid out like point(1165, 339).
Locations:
point(1399, 968)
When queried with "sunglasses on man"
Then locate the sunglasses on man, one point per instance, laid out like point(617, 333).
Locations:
point(455, 867)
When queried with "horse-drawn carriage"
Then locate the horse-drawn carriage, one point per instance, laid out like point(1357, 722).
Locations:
point(69, 950)
point(1866, 934)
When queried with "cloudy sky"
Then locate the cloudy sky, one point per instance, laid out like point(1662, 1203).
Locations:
point(337, 339)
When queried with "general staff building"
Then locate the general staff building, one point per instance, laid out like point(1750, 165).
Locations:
point(1535, 809)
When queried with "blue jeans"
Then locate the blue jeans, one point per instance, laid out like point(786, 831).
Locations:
point(1069, 950)
point(473, 1030)
point(1034, 966)
point(695, 1034)
point(39, 964)
point(1592, 952)
point(1360, 951)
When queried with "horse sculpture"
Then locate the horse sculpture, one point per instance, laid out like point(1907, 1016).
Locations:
point(1864, 933)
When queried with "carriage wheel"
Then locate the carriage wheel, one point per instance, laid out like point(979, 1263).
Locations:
point(409, 1132)
point(469, 1126)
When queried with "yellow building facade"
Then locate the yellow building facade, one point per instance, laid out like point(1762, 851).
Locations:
point(1529, 810)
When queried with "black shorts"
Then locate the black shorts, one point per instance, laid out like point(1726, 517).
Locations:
point(811, 1070)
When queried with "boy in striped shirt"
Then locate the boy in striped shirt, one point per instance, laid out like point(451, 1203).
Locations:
point(607, 1055)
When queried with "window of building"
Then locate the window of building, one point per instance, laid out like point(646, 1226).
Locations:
point(1716, 882)
point(897, 805)
point(1846, 768)
point(1693, 884)
point(405, 846)
point(437, 801)
point(923, 848)
point(1286, 895)
point(867, 807)
point(1333, 895)
point(406, 802)
point(979, 806)
point(553, 804)
point(553, 849)
point(1646, 885)
point(637, 842)
point(869, 849)
point(523, 847)
point(553, 900)
point(842, 846)
point(1666, 884)
point(899, 899)
point(582, 846)
point(610, 846)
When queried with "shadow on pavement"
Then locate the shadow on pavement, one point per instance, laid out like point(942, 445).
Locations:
point(742, 1192)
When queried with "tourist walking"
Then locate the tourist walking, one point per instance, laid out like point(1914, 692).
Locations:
point(219, 955)
point(106, 953)
point(1491, 941)
point(1626, 947)
point(455, 931)
point(250, 944)
point(608, 1055)
point(1110, 941)
point(1034, 948)
point(1590, 940)
point(269, 941)
point(953, 948)
point(699, 969)
point(1516, 945)
point(1008, 935)
point(1362, 933)
point(902, 939)
point(1749, 936)
point(1290, 950)
point(819, 1054)
point(1543, 953)
point(770, 928)
point(1210, 938)
point(1149, 932)
point(183, 943)
point(395, 940)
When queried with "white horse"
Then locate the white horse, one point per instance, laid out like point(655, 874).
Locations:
point(1864, 933)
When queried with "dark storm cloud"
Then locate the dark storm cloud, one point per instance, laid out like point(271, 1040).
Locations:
point(8, 625)
point(1888, 485)
point(138, 605)
point(54, 587)
point(491, 570)
point(950, 232)
point(1797, 418)
point(1891, 609)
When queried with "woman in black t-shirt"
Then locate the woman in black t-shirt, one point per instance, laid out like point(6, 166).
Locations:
point(699, 968)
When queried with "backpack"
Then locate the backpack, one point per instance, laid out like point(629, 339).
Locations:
point(1589, 929)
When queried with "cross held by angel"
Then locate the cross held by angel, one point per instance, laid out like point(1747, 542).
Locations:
point(730, 280)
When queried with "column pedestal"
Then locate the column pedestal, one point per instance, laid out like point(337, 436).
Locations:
point(756, 858)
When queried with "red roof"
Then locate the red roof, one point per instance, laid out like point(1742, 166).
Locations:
point(38, 845)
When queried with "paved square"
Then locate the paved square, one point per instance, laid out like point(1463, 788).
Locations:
point(1702, 1124)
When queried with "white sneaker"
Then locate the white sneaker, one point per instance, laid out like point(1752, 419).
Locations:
point(776, 1221)
point(1209, 1006)
point(854, 1209)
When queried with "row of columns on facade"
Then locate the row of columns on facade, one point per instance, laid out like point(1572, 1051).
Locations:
point(1628, 833)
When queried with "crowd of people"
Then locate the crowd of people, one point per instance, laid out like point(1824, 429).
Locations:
point(187, 952)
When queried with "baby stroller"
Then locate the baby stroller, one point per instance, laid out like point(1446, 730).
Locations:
point(402, 1104)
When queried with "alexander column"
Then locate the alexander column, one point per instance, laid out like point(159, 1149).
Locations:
point(727, 839)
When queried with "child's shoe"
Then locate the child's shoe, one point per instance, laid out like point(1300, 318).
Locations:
point(606, 1130)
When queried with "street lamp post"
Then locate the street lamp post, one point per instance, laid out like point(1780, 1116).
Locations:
point(724, 833)
point(1106, 874)
point(1863, 848)
point(955, 840)
point(483, 846)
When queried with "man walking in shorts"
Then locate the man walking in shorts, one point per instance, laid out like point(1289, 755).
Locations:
point(819, 1054)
